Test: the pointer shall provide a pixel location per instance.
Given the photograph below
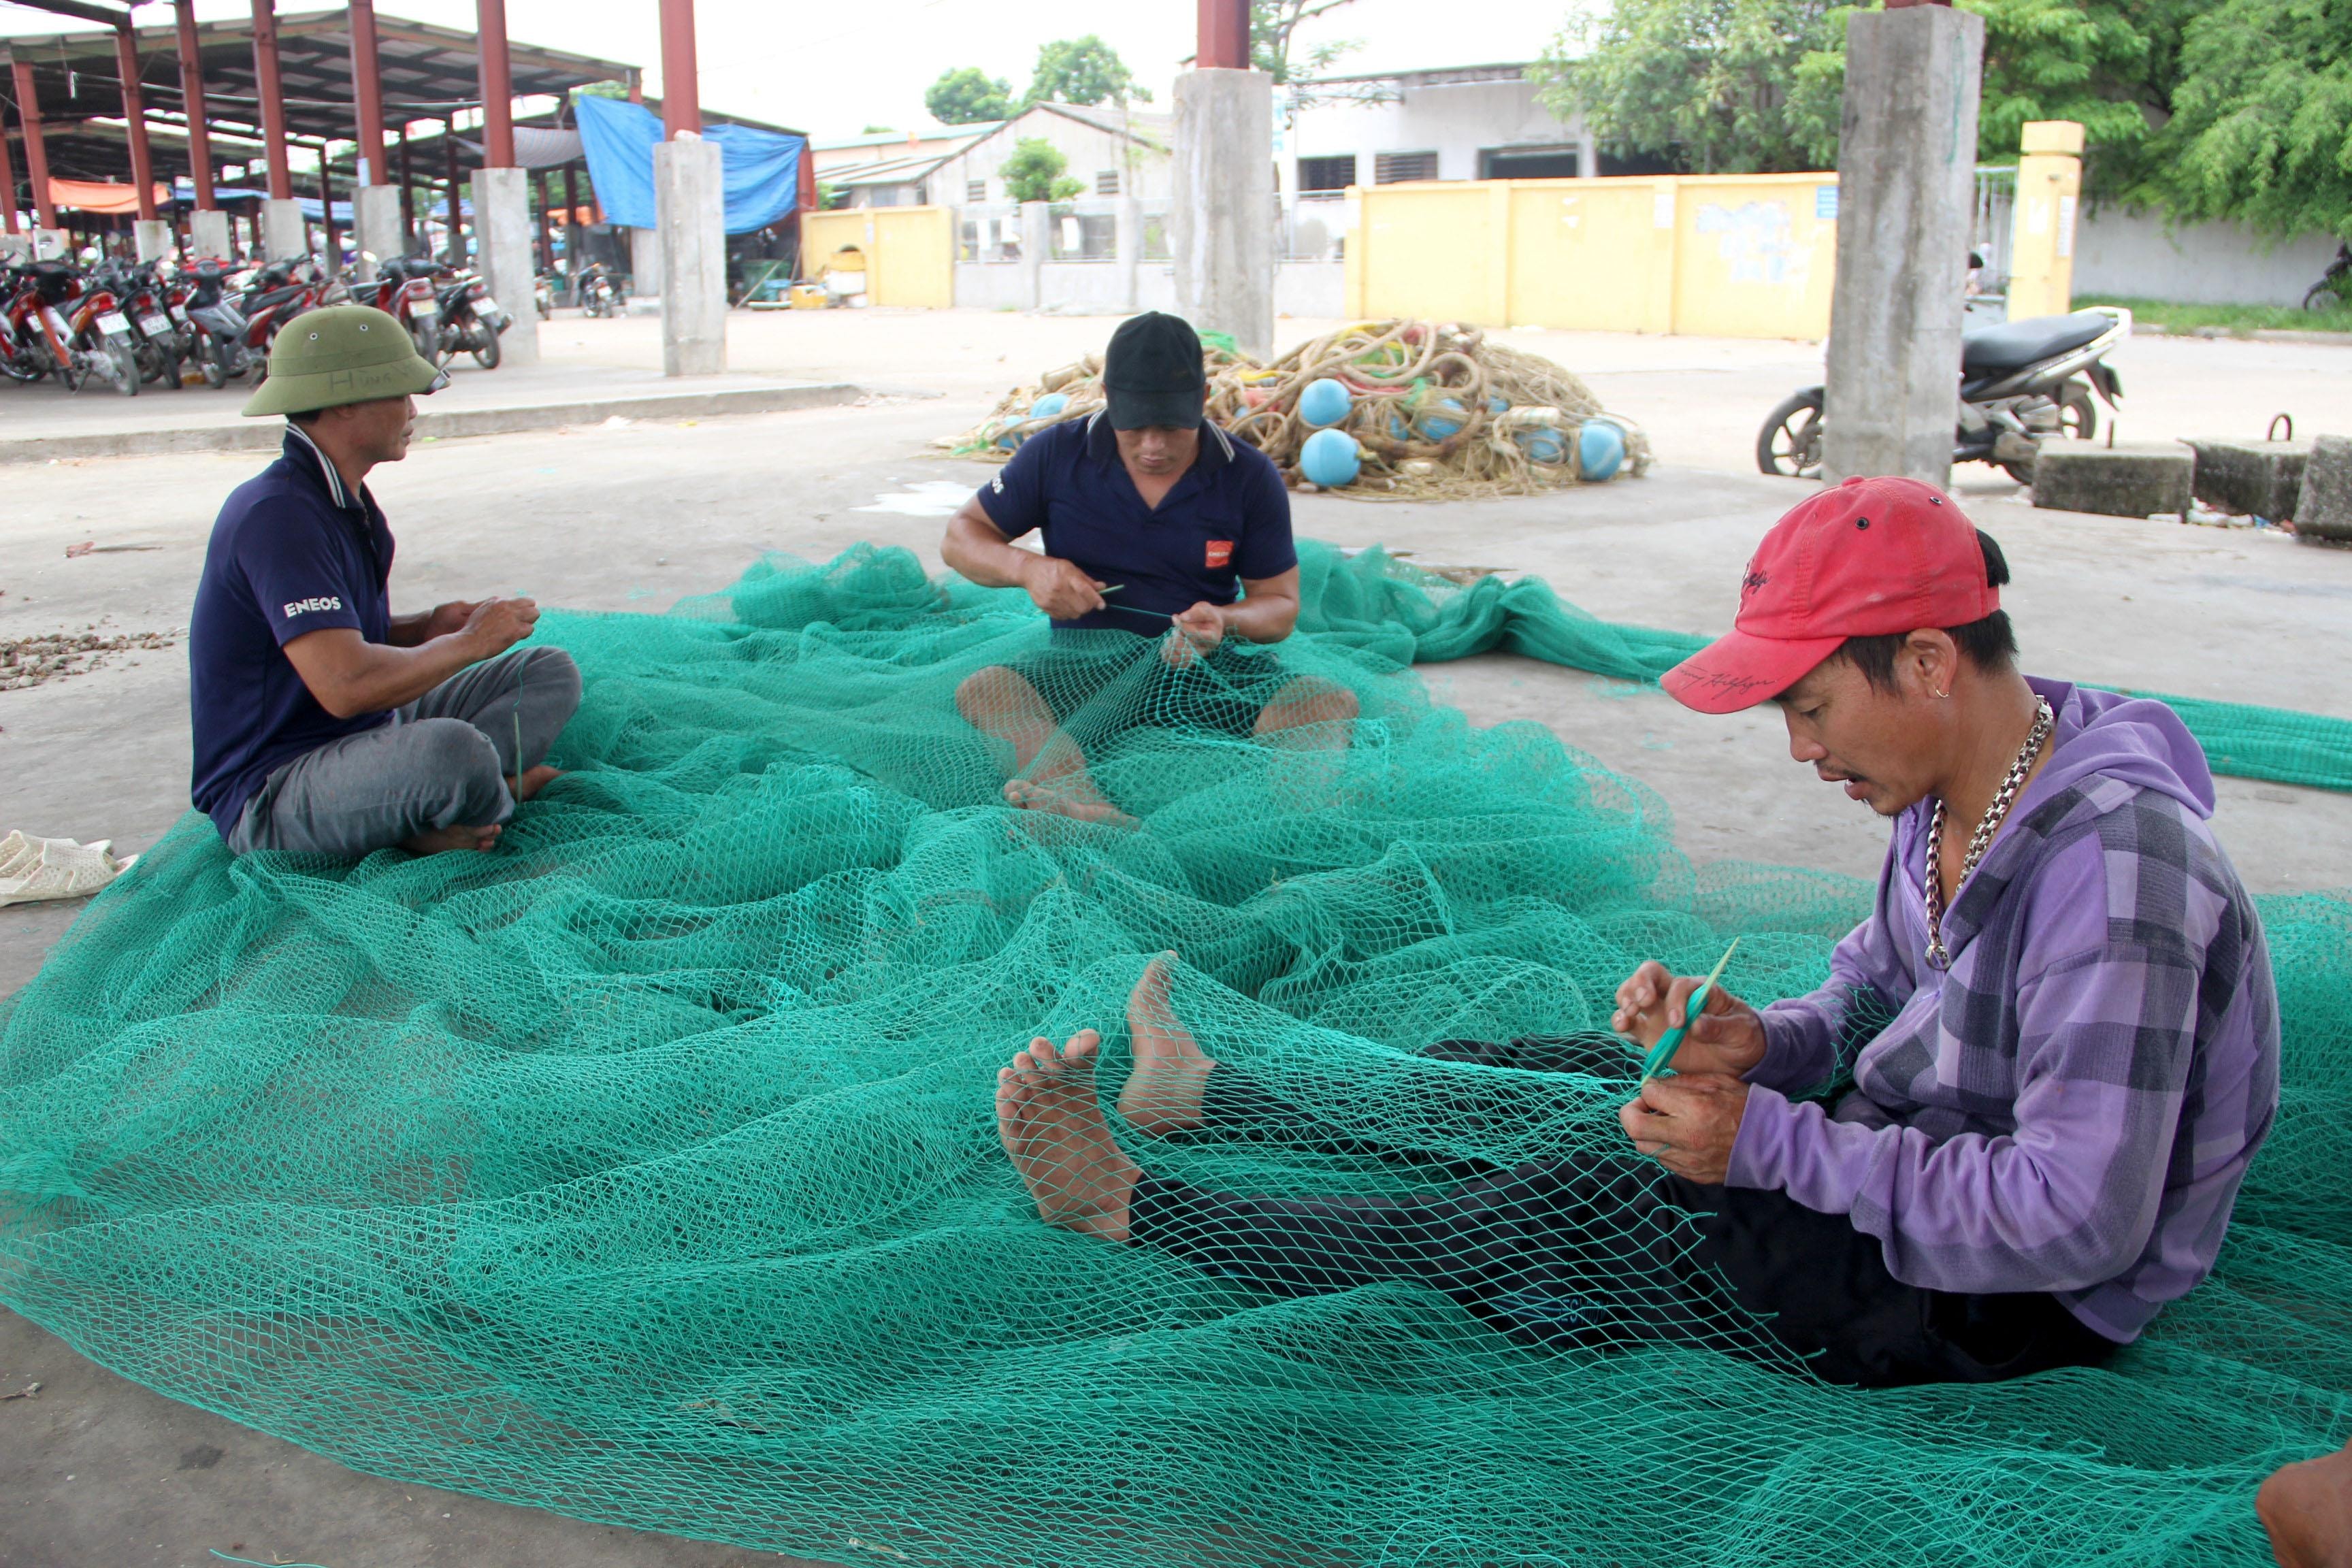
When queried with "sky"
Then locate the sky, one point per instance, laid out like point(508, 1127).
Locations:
point(834, 71)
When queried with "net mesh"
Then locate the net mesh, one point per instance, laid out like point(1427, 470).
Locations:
point(647, 1168)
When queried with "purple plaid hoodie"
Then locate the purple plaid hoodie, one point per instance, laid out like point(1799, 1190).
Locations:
point(2071, 1107)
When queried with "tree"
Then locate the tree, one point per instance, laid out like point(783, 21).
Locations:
point(969, 96)
point(1083, 71)
point(2262, 124)
point(1756, 85)
point(1272, 24)
point(1748, 86)
point(1033, 172)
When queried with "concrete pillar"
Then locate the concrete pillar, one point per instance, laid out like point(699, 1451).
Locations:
point(644, 263)
point(152, 239)
point(1906, 186)
point(282, 234)
point(15, 247)
point(376, 231)
point(502, 252)
point(1037, 243)
point(208, 236)
point(1587, 154)
point(2041, 224)
point(688, 203)
point(1222, 228)
point(1128, 220)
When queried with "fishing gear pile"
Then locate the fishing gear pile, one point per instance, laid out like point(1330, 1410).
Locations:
point(646, 1169)
point(1390, 410)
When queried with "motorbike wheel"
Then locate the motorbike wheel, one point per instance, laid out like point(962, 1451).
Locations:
point(2323, 295)
point(2078, 416)
point(153, 362)
point(211, 358)
point(428, 341)
point(26, 369)
point(487, 357)
point(125, 360)
point(1790, 445)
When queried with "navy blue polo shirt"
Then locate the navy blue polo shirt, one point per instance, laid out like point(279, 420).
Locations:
point(292, 552)
point(1227, 518)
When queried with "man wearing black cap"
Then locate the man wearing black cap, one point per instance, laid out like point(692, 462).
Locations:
point(1155, 523)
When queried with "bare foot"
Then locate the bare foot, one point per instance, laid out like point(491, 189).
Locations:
point(1073, 795)
point(441, 840)
point(1162, 1095)
point(1053, 1127)
point(532, 782)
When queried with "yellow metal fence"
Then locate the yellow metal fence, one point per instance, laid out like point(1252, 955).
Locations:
point(1748, 255)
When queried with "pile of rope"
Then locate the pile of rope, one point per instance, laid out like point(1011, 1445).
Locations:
point(1403, 377)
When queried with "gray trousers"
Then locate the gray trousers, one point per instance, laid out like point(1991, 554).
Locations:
point(442, 760)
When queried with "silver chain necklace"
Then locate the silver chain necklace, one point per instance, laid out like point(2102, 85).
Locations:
point(1979, 841)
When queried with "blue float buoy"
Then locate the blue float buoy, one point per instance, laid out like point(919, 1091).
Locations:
point(1046, 407)
point(1542, 445)
point(1443, 418)
point(1600, 449)
point(1325, 401)
point(1328, 460)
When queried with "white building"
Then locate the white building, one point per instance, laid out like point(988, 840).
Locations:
point(1462, 122)
point(1110, 152)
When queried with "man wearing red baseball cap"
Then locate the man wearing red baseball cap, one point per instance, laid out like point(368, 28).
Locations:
point(2058, 1022)
point(2059, 1019)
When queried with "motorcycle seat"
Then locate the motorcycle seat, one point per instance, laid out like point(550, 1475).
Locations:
point(2013, 345)
point(272, 297)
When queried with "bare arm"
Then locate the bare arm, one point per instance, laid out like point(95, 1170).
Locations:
point(350, 675)
point(976, 550)
point(408, 631)
point(1267, 612)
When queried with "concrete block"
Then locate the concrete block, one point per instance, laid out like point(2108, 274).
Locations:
point(1036, 244)
point(375, 228)
point(1127, 240)
point(153, 239)
point(284, 236)
point(52, 244)
point(1907, 189)
point(208, 236)
point(2115, 481)
point(644, 264)
point(2323, 508)
point(1222, 220)
point(503, 243)
point(15, 247)
point(2259, 478)
point(689, 205)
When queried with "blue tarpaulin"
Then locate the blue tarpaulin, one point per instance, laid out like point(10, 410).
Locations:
point(760, 170)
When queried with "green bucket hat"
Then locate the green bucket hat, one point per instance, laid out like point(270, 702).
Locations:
point(342, 353)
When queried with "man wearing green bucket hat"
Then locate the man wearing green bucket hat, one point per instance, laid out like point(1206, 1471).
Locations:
point(323, 722)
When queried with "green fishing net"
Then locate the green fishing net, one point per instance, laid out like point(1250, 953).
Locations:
point(646, 1169)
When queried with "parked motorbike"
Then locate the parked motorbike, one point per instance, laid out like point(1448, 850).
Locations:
point(154, 336)
point(76, 331)
point(31, 345)
point(275, 296)
point(599, 294)
point(404, 288)
point(219, 348)
point(470, 321)
point(2021, 383)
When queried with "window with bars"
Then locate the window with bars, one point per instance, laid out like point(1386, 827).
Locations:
point(1106, 183)
point(975, 190)
point(1335, 173)
point(1396, 168)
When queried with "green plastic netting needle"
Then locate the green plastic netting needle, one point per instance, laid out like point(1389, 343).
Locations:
point(1672, 1040)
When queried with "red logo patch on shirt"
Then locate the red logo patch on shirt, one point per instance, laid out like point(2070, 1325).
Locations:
point(1220, 552)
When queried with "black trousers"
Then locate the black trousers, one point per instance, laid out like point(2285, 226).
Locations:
point(1601, 1252)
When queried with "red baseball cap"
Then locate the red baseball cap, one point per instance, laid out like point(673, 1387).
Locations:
point(1871, 557)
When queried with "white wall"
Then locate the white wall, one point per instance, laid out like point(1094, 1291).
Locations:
point(1092, 288)
point(1455, 120)
point(2134, 255)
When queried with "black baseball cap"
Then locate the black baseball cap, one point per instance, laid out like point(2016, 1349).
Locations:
point(1153, 372)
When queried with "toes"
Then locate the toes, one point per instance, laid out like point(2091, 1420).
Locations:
point(1081, 1050)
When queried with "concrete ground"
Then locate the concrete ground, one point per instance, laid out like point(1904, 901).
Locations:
point(97, 1471)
